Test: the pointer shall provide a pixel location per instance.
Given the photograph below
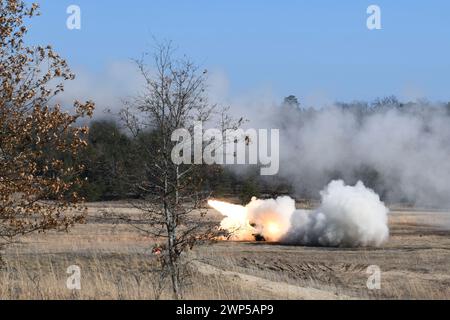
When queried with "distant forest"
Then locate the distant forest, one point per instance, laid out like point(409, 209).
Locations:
point(112, 160)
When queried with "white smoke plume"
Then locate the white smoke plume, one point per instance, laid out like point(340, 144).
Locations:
point(401, 152)
point(349, 216)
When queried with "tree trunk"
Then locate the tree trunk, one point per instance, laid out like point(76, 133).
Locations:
point(172, 254)
point(177, 194)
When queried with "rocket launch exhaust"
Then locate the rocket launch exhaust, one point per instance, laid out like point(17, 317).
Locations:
point(349, 216)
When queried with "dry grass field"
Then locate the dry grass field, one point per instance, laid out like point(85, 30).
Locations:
point(116, 260)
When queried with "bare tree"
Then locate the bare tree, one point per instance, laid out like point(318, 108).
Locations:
point(35, 138)
point(171, 195)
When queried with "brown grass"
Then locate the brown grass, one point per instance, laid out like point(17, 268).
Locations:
point(116, 263)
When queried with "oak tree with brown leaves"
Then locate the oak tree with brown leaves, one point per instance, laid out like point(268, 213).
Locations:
point(36, 183)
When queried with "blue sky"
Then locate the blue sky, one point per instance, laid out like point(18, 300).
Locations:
point(305, 48)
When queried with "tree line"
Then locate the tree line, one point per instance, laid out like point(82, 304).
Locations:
point(112, 154)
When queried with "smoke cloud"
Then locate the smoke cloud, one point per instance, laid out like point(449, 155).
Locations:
point(399, 149)
point(401, 152)
point(349, 216)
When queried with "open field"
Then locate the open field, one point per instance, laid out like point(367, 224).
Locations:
point(115, 261)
